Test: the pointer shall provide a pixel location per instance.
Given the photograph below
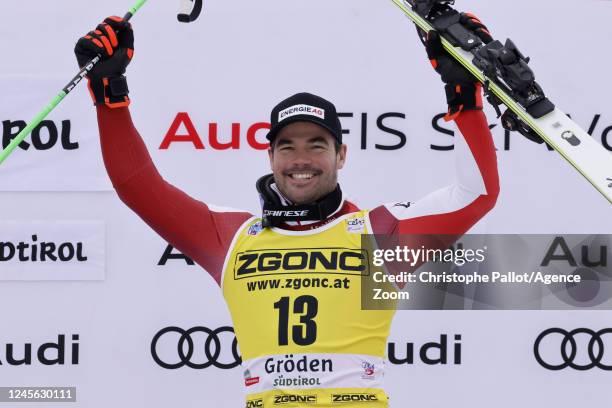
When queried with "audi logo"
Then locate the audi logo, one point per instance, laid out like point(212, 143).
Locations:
point(595, 349)
point(186, 347)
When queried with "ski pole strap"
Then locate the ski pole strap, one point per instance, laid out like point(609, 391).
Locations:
point(116, 92)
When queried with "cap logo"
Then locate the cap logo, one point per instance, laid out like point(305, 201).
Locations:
point(301, 110)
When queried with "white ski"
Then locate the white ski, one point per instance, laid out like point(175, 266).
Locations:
point(587, 156)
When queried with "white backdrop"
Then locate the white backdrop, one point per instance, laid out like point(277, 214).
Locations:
point(232, 66)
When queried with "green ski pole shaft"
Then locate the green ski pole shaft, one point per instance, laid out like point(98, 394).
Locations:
point(62, 94)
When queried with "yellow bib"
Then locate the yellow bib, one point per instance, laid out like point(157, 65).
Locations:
point(295, 301)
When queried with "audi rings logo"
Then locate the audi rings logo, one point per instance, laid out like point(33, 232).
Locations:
point(198, 348)
point(570, 349)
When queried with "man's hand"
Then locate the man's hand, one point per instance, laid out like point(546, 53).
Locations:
point(463, 92)
point(114, 40)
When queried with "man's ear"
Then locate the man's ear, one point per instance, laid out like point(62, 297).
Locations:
point(341, 157)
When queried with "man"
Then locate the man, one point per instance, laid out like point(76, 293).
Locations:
point(291, 278)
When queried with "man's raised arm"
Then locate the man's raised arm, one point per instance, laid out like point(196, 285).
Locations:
point(199, 231)
point(457, 207)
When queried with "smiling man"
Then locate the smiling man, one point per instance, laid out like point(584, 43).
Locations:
point(305, 159)
point(292, 277)
point(306, 152)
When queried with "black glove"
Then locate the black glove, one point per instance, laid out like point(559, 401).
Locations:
point(463, 91)
point(114, 40)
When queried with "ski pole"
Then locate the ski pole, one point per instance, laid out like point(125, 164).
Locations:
point(60, 96)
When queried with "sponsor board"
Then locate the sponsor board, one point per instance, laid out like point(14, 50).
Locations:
point(198, 348)
point(581, 349)
point(63, 152)
point(52, 250)
point(64, 351)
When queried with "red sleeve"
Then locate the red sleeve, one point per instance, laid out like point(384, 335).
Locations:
point(189, 225)
point(457, 207)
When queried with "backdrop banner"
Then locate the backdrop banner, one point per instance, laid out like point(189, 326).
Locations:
point(111, 320)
